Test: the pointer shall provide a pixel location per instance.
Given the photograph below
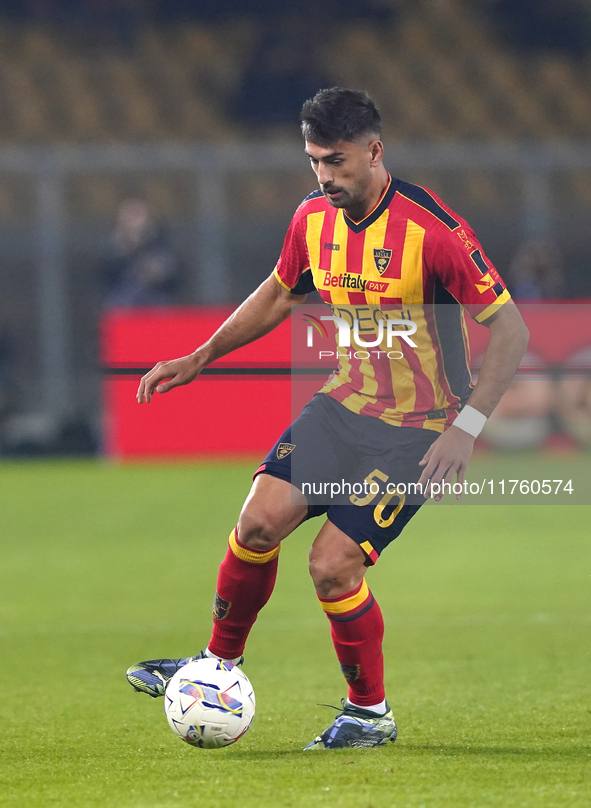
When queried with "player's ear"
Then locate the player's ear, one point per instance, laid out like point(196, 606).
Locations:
point(376, 151)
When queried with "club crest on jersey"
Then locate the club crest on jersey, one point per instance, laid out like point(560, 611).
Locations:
point(284, 449)
point(382, 258)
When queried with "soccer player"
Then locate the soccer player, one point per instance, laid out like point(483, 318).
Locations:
point(372, 245)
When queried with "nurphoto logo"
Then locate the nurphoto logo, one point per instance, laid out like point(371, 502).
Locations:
point(348, 334)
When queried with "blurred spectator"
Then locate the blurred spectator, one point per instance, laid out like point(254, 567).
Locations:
point(140, 269)
point(537, 271)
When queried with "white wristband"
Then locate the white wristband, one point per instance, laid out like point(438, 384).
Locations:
point(471, 421)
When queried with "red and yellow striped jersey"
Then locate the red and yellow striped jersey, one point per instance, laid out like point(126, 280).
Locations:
point(412, 258)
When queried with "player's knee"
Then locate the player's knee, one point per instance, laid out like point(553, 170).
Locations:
point(259, 528)
point(330, 580)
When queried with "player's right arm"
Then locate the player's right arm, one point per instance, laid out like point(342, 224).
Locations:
point(264, 310)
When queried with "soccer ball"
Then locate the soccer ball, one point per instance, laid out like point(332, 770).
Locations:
point(209, 703)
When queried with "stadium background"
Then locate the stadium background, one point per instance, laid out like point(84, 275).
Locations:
point(192, 109)
point(184, 114)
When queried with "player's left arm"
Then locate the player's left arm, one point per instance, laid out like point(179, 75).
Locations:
point(450, 453)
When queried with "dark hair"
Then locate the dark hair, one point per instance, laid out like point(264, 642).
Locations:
point(339, 114)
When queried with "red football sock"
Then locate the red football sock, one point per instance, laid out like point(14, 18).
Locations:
point(357, 629)
point(245, 583)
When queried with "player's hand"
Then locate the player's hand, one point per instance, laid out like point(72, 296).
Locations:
point(176, 372)
point(446, 456)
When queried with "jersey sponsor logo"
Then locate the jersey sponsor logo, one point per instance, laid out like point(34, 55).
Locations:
point(354, 282)
point(485, 283)
point(284, 449)
point(382, 259)
point(221, 607)
point(376, 286)
point(328, 245)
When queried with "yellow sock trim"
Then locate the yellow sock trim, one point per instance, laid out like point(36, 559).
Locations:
point(251, 556)
point(348, 604)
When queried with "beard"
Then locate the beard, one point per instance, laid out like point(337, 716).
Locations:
point(351, 197)
point(343, 200)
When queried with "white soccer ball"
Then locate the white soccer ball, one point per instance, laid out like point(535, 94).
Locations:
point(209, 703)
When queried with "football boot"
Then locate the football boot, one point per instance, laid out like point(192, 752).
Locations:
point(356, 728)
point(152, 677)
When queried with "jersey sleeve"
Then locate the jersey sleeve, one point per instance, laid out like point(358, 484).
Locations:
point(459, 262)
point(293, 267)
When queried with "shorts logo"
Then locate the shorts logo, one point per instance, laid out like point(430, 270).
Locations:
point(284, 449)
point(351, 672)
point(382, 259)
point(221, 608)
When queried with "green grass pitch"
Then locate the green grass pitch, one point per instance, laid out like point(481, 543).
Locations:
point(487, 615)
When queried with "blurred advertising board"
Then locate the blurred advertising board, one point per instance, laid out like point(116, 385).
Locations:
point(237, 413)
point(242, 403)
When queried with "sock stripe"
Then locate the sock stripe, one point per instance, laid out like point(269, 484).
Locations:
point(251, 556)
point(347, 603)
point(353, 615)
